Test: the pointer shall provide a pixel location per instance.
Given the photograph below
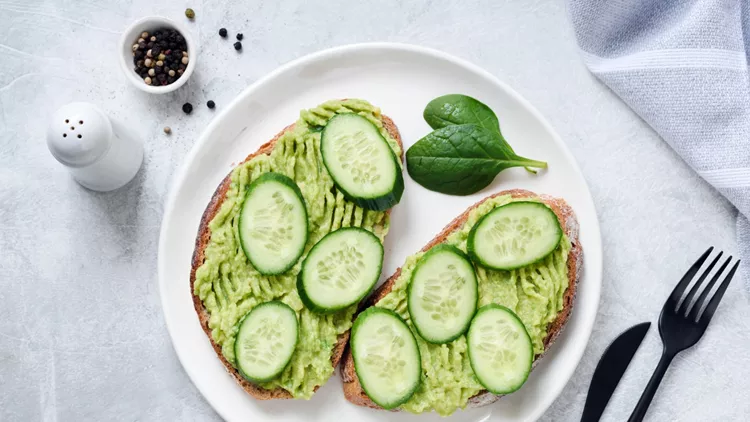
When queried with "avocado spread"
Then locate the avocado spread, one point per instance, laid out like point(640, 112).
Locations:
point(230, 287)
point(535, 293)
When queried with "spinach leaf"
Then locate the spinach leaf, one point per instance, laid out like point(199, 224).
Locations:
point(457, 109)
point(461, 159)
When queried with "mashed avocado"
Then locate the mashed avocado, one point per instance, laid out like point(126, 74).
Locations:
point(230, 287)
point(534, 292)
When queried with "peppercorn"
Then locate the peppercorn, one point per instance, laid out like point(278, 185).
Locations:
point(187, 108)
point(238, 46)
point(190, 13)
point(184, 60)
point(211, 104)
point(147, 80)
point(153, 38)
point(144, 35)
point(223, 32)
point(172, 73)
point(151, 72)
point(167, 130)
point(240, 36)
point(148, 62)
point(159, 63)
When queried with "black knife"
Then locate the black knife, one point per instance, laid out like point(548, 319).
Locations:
point(610, 369)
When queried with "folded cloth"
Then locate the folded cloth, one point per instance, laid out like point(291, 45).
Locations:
point(682, 65)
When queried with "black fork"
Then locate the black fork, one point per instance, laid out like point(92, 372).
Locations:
point(682, 325)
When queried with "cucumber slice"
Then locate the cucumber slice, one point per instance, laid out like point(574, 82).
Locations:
point(386, 357)
point(361, 163)
point(500, 350)
point(442, 294)
point(273, 224)
point(266, 339)
point(514, 235)
point(340, 270)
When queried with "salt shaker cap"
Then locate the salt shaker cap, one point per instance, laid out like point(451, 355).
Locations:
point(79, 134)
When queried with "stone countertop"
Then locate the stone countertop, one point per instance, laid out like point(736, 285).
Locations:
point(82, 335)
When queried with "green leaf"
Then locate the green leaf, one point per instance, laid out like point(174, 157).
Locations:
point(458, 109)
point(461, 159)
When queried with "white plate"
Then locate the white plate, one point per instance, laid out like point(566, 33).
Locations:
point(401, 80)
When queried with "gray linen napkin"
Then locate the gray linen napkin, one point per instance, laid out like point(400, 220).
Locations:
point(682, 65)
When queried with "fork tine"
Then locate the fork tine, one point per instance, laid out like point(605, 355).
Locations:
point(705, 318)
point(691, 294)
point(702, 298)
point(674, 298)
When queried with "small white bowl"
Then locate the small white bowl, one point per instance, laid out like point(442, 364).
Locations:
point(149, 24)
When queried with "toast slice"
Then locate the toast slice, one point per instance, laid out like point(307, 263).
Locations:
point(353, 389)
point(201, 241)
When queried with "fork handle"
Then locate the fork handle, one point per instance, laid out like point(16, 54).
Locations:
point(648, 394)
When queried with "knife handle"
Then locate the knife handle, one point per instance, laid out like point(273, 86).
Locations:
point(653, 384)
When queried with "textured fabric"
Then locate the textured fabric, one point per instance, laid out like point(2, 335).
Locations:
point(683, 67)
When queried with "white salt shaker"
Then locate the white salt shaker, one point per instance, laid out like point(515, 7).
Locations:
point(80, 136)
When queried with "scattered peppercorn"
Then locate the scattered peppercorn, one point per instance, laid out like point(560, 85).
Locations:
point(190, 13)
point(165, 50)
point(238, 46)
point(240, 36)
point(187, 108)
point(167, 130)
point(211, 104)
point(223, 32)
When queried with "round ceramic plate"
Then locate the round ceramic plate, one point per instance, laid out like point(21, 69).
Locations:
point(401, 80)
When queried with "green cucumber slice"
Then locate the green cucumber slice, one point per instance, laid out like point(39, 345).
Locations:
point(386, 357)
point(500, 350)
point(266, 339)
point(273, 224)
point(443, 294)
point(340, 270)
point(514, 235)
point(361, 163)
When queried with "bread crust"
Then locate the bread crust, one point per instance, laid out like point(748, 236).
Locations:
point(353, 389)
point(201, 242)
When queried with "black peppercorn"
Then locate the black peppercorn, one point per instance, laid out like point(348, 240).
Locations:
point(240, 36)
point(238, 46)
point(158, 56)
point(223, 32)
point(187, 108)
point(211, 104)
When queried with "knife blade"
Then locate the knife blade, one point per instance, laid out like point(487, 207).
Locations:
point(610, 369)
